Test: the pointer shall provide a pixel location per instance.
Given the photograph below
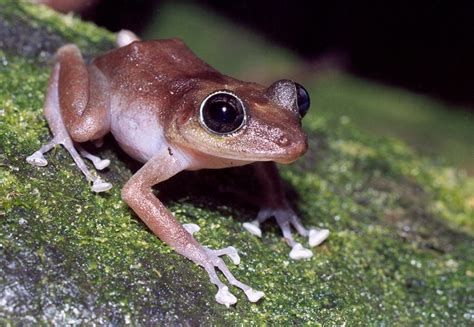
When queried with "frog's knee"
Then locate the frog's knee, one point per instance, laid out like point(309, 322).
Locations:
point(86, 129)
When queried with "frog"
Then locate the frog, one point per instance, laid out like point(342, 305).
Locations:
point(171, 111)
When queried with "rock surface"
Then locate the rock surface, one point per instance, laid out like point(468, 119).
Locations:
point(400, 249)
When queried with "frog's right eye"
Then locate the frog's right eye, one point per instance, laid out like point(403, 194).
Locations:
point(302, 99)
point(222, 113)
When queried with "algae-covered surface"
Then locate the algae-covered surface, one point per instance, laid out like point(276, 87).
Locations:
point(400, 249)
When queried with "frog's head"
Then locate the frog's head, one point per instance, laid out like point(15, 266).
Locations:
point(244, 121)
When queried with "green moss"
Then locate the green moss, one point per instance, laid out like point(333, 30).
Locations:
point(399, 253)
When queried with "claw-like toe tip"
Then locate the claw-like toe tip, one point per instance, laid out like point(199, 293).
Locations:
point(37, 159)
point(225, 297)
point(299, 252)
point(102, 164)
point(253, 228)
point(101, 186)
point(254, 295)
point(234, 255)
point(317, 237)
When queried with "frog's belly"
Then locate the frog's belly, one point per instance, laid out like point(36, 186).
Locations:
point(138, 132)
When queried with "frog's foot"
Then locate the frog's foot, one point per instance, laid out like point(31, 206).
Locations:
point(223, 295)
point(287, 218)
point(98, 185)
point(213, 260)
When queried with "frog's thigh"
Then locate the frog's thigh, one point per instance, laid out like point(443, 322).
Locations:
point(83, 99)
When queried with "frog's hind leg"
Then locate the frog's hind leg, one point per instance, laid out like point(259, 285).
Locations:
point(61, 136)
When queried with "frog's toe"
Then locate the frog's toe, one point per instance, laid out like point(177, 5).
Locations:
point(98, 163)
point(299, 252)
point(37, 159)
point(317, 236)
point(98, 185)
point(225, 297)
point(254, 295)
point(229, 251)
point(253, 228)
point(101, 164)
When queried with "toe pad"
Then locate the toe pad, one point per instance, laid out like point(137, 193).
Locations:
point(233, 255)
point(299, 252)
point(225, 297)
point(317, 236)
point(253, 228)
point(102, 164)
point(37, 159)
point(101, 186)
point(254, 295)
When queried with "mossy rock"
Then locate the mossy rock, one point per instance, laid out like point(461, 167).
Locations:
point(400, 251)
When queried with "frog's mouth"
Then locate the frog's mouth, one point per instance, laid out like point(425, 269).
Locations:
point(240, 154)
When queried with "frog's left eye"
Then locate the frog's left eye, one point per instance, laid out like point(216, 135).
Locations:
point(222, 113)
point(302, 99)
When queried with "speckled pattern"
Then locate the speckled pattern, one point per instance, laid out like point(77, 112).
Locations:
point(399, 251)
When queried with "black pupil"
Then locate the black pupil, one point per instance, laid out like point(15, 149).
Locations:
point(222, 113)
point(302, 98)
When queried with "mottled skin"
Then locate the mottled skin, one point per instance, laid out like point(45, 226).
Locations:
point(148, 94)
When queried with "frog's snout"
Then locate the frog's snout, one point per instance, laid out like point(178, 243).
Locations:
point(295, 145)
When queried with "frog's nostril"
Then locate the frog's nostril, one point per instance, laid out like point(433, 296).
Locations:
point(300, 146)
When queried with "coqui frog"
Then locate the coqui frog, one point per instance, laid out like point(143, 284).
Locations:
point(171, 111)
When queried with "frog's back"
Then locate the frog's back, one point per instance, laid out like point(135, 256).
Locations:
point(161, 60)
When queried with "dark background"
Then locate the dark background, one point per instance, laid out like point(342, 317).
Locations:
point(423, 46)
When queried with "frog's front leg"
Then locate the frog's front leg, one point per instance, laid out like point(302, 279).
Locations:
point(75, 108)
point(275, 205)
point(138, 195)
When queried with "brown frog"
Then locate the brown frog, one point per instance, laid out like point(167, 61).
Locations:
point(171, 111)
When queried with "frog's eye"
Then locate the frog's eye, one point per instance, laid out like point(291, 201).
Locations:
point(222, 113)
point(302, 99)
